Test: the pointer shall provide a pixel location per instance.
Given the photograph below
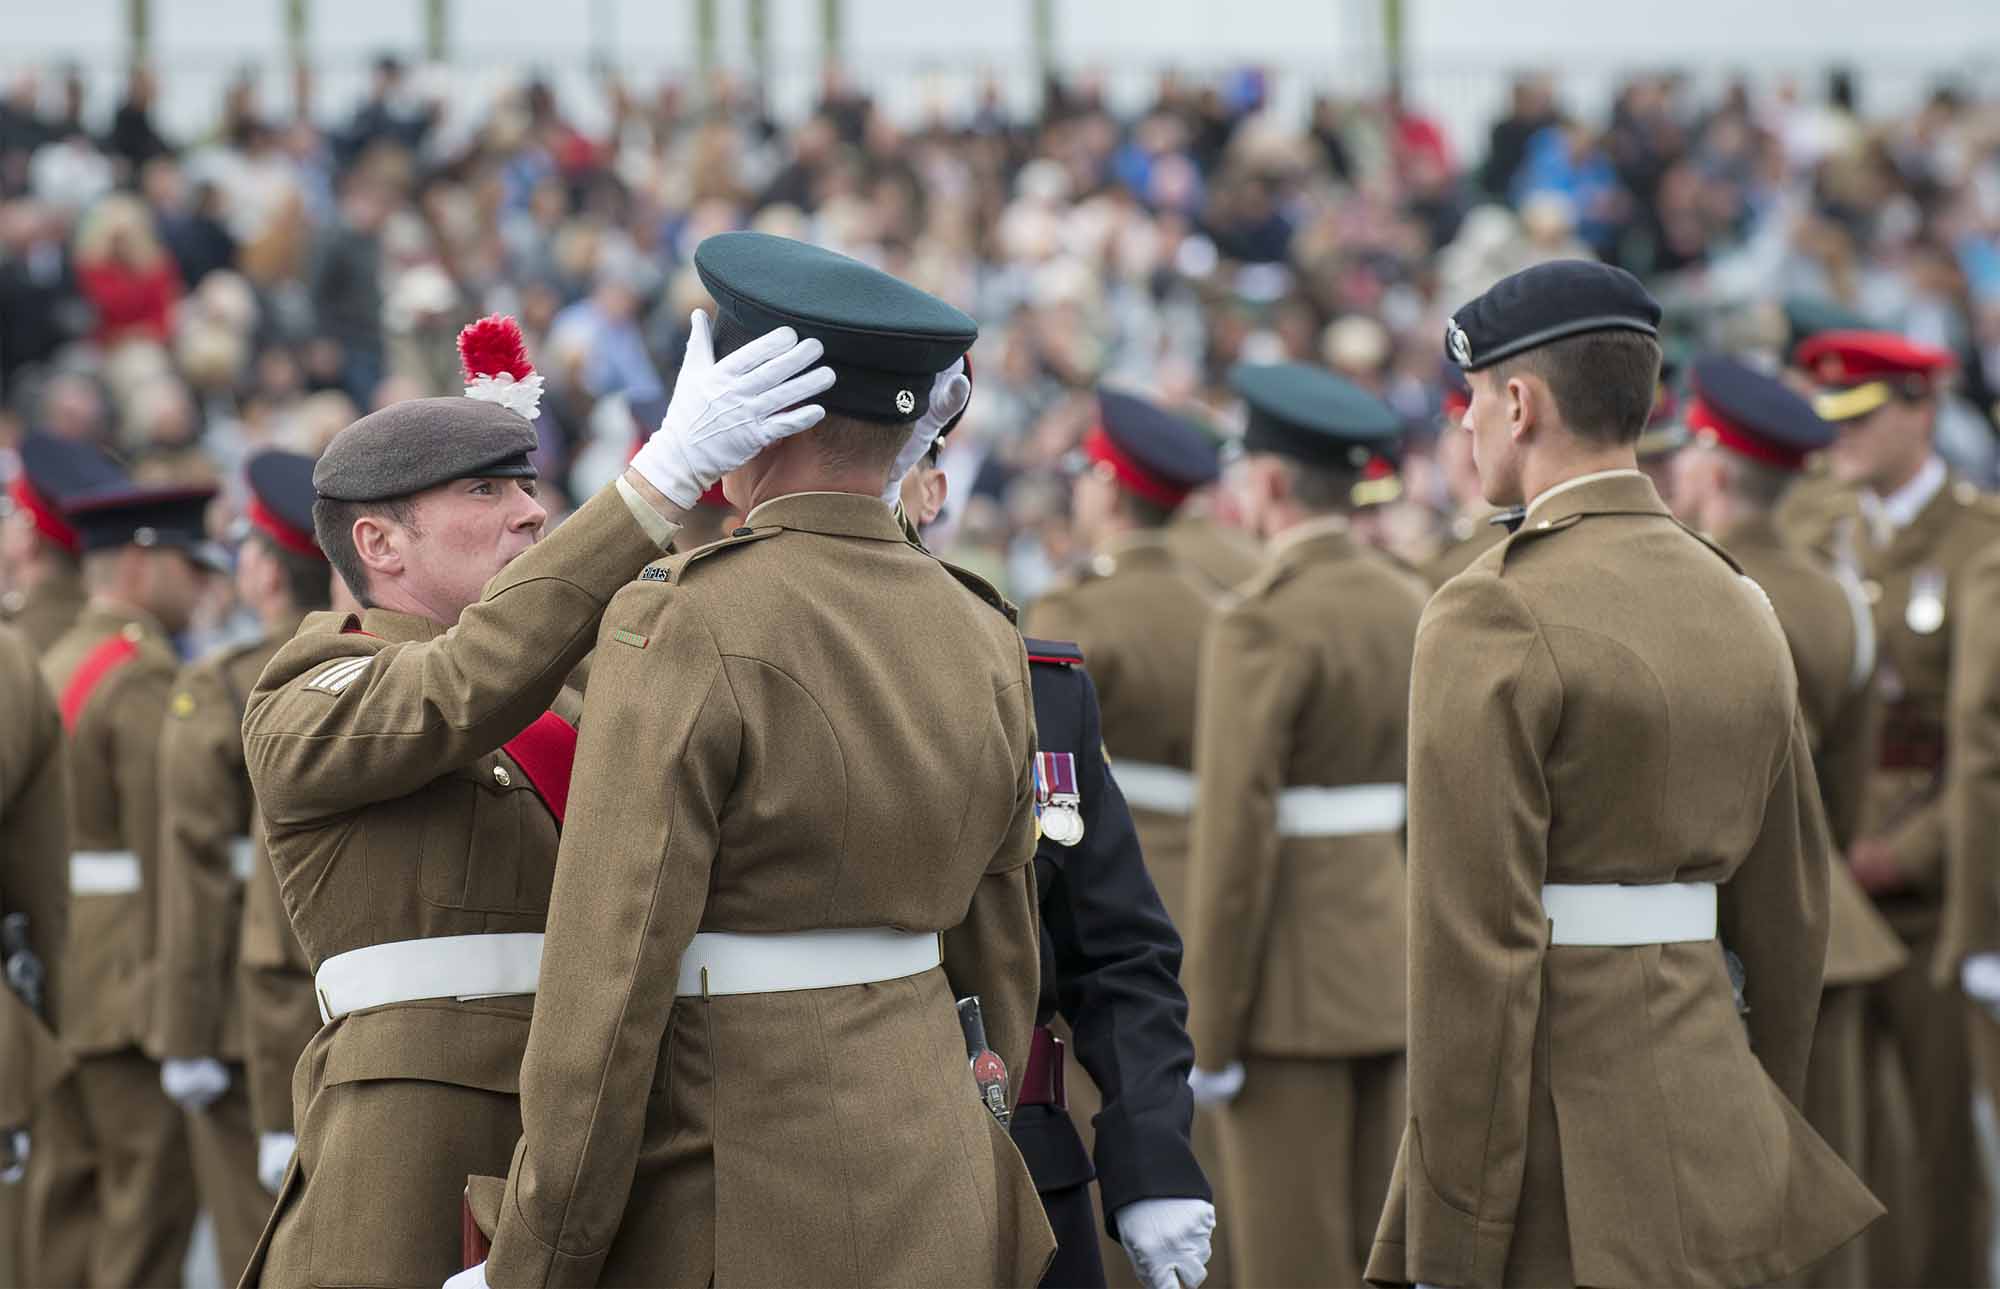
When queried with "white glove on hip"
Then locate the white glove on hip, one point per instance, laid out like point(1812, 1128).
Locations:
point(1165, 1237)
point(473, 1277)
point(194, 1084)
point(725, 411)
point(274, 1156)
point(1216, 1087)
point(951, 390)
point(14, 1163)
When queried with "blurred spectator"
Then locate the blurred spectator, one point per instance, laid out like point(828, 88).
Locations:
point(125, 273)
point(132, 137)
point(346, 285)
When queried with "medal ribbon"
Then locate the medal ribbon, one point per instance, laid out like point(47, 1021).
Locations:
point(1058, 771)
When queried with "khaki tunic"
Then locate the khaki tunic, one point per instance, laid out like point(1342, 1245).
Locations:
point(275, 983)
point(782, 751)
point(1832, 642)
point(1603, 698)
point(391, 813)
point(1227, 557)
point(34, 879)
point(115, 1203)
point(1471, 534)
point(1937, 914)
point(206, 854)
point(1296, 944)
point(44, 612)
point(1138, 614)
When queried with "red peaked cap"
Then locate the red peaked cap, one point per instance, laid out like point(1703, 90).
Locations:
point(1853, 357)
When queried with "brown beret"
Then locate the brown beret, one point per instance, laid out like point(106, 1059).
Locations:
point(422, 442)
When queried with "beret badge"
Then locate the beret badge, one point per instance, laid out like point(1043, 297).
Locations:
point(1459, 344)
point(906, 402)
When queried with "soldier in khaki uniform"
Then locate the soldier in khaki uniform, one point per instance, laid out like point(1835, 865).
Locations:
point(1137, 610)
point(1908, 531)
point(111, 1198)
point(1610, 782)
point(34, 883)
point(412, 779)
point(1751, 438)
point(1295, 895)
point(38, 546)
point(207, 854)
point(745, 1066)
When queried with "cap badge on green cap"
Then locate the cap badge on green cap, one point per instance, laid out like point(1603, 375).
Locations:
point(906, 402)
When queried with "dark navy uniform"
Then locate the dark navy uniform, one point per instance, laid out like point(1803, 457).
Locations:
point(1110, 966)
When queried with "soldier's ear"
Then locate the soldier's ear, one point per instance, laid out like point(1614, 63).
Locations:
point(1525, 398)
point(379, 544)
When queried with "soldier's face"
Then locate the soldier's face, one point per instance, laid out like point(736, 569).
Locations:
point(1093, 500)
point(174, 586)
point(466, 531)
point(1881, 450)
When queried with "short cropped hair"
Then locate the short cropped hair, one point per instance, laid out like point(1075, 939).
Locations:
point(1603, 382)
point(850, 443)
point(333, 525)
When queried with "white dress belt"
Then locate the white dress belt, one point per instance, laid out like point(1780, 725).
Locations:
point(445, 966)
point(772, 962)
point(104, 872)
point(242, 858)
point(1162, 789)
point(1345, 811)
point(1609, 915)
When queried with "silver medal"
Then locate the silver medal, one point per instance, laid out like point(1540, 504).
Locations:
point(1925, 612)
point(1062, 822)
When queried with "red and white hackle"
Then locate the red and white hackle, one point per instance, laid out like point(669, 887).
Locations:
point(494, 355)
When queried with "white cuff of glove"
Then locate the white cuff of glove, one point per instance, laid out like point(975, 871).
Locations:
point(951, 390)
point(1215, 1087)
point(1166, 1238)
point(1979, 977)
point(19, 1146)
point(194, 1084)
point(274, 1156)
point(473, 1277)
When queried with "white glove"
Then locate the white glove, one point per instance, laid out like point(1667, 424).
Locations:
point(274, 1156)
point(194, 1084)
point(1216, 1087)
point(1979, 977)
point(726, 411)
point(473, 1277)
point(1167, 1236)
point(14, 1163)
point(951, 390)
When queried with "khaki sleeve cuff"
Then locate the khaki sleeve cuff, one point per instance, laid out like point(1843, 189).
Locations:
point(657, 526)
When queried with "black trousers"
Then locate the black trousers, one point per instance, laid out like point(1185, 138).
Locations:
point(1077, 1265)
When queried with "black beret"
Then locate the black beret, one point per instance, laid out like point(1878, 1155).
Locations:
point(420, 443)
point(281, 500)
point(885, 340)
point(1754, 415)
point(1155, 453)
point(127, 514)
point(1548, 302)
point(1311, 415)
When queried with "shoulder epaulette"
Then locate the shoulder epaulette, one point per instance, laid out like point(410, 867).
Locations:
point(982, 588)
point(674, 568)
point(1053, 653)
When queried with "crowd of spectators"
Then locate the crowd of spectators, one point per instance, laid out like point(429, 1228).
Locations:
point(188, 300)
